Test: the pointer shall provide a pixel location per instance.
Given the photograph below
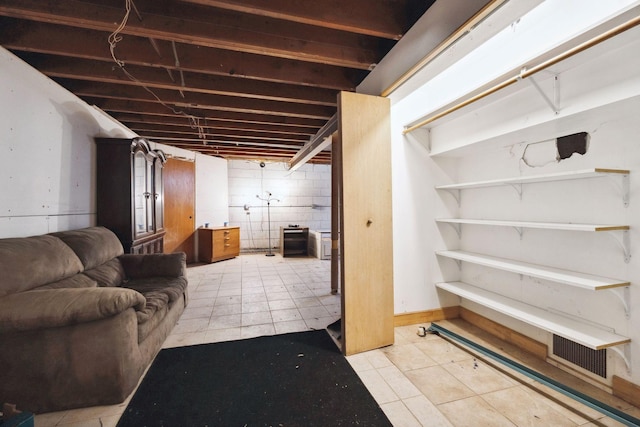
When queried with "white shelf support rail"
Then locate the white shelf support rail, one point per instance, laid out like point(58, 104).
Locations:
point(625, 190)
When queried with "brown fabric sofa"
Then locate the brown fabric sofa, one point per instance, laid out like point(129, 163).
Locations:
point(79, 320)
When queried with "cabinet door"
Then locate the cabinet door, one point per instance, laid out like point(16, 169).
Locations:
point(140, 194)
point(149, 199)
point(158, 195)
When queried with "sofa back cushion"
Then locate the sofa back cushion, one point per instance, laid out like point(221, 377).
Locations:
point(29, 262)
point(94, 245)
point(77, 281)
point(110, 273)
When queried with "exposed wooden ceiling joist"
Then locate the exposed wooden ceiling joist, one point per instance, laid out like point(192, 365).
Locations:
point(184, 23)
point(232, 78)
point(76, 42)
point(360, 17)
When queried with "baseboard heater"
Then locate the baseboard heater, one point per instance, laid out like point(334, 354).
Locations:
point(601, 407)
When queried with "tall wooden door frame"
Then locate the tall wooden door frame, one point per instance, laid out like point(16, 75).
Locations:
point(362, 171)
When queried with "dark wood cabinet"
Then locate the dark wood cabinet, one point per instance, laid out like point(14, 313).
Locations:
point(130, 193)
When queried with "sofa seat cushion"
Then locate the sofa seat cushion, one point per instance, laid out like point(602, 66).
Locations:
point(110, 273)
point(29, 262)
point(155, 301)
point(160, 293)
point(172, 287)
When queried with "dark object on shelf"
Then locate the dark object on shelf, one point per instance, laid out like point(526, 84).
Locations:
point(294, 241)
point(130, 193)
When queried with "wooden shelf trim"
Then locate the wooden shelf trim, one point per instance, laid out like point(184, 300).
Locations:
point(533, 224)
point(560, 176)
point(585, 334)
point(580, 280)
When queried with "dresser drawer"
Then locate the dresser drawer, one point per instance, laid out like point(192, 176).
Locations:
point(219, 243)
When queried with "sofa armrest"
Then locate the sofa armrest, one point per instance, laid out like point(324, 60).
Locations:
point(50, 308)
point(154, 265)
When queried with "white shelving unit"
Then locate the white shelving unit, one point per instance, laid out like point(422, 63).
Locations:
point(584, 333)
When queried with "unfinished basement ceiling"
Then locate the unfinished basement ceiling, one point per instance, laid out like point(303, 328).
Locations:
point(248, 79)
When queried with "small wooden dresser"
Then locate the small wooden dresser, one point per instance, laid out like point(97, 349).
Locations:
point(218, 243)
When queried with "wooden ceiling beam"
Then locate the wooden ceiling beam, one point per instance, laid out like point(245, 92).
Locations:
point(182, 123)
point(374, 18)
point(225, 144)
point(168, 131)
point(251, 153)
point(30, 36)
point(107, 72)
point(199, 100)
point(221, 150)
point(154, 108)
point(222, 31)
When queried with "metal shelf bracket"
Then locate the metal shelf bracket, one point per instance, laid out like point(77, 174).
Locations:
point(456, 195)
point(553, 104)
point(624, 295)
point(625, 243)
point(625, 354)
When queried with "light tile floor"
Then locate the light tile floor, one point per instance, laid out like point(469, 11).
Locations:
point(419, 381)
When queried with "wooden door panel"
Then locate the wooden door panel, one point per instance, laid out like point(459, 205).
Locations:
point(366, 240)
point(179, 207)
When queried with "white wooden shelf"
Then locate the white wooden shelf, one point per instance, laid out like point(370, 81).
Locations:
point(585, 334)
point(517, 182)
point(580, 280)
point(560, 176)
point(519, 226)
point(533, 224)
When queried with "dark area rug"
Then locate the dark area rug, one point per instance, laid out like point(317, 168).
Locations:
point(297, 379)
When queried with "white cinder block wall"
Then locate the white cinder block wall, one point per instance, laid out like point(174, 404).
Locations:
point(303, 198)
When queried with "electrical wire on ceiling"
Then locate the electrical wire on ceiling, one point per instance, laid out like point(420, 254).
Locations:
point(115, 38)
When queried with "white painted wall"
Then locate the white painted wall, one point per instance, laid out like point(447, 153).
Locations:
point(599, 92)
point(212, 191)
point(304, 198)
point(47, 156)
